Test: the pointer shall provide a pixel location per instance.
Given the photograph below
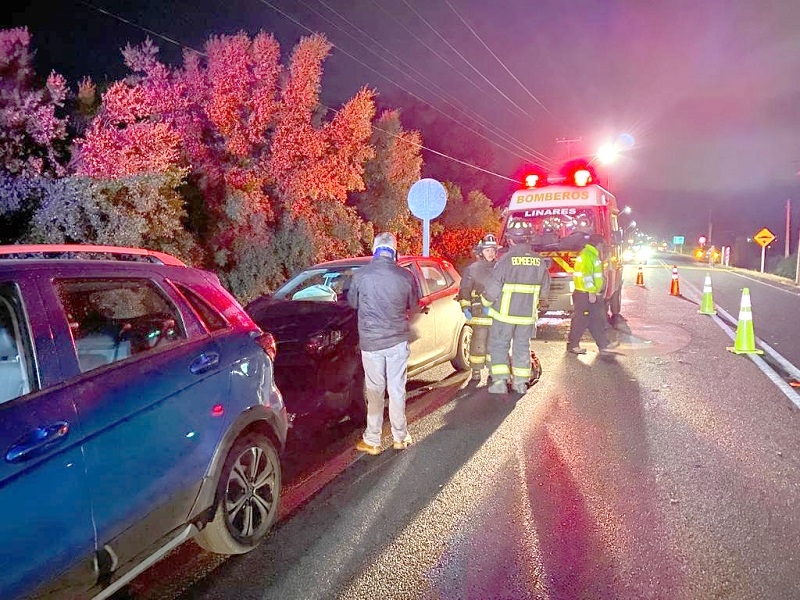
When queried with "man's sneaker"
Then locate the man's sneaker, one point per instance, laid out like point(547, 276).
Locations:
point(498, 387)
point(612, 345)
point(476, 376)
point(520, 388)
point(363, 446)
point(576, 350)
point(404, 444)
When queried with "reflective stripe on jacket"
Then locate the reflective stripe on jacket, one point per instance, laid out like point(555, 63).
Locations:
point(588, 274)
point(518, 280)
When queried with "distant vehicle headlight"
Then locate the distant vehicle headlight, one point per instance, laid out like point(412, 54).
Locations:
point(628, 255)
point(644, 253)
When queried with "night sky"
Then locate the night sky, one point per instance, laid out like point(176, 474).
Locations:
point(709, 89)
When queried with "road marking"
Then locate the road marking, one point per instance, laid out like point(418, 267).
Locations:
point(782, 385)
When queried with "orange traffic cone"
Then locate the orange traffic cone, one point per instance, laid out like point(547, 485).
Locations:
point(640, 277)
point(745, 342)
point(675, 288)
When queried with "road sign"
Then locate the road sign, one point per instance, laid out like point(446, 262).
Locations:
point(677, 240)
point(426, 200)
point(764, 237)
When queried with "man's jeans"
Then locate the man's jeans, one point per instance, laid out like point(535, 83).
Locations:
point(386, 369)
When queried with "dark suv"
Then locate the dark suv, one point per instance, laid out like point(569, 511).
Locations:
point(137, 409)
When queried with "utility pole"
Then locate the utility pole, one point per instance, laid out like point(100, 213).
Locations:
point(788, 228)
point(568, 142)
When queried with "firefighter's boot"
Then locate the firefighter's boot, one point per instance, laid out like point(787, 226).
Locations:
point(498, 387)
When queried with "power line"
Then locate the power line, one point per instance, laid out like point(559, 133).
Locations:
point(497, 58)
point(171, 41)
point(436, 53)
point(362, 63)
point(137, 26)
point(454, 49)
point(498, 131)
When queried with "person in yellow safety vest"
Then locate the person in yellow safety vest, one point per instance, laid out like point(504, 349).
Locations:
point(512, 294)
point(473, 283)
point(588, 307)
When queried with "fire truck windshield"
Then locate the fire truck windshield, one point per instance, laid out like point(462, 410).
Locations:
point(560, 230)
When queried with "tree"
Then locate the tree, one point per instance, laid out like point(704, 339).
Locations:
point(388, 176)
point(463, 223)
point(32, 135)
point(138, 211)
point(260, 155)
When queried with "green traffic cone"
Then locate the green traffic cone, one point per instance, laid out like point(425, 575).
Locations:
point(745, 342)
point(707, 303)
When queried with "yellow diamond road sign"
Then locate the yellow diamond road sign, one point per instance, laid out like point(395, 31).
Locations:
point(764, 237)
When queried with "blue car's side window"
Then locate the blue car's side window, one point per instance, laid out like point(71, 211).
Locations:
point(112, 319)
point(14, 371)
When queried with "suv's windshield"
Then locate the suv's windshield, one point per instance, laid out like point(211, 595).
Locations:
point(563, 229)
point(329, 284)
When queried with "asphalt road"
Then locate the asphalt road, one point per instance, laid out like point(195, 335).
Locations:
point(670, 471)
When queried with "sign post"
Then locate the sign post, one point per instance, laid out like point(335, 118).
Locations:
point(763, 238)
point(678, 240)
point(426, 200)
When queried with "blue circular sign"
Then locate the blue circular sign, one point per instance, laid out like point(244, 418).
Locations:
point(427, 199)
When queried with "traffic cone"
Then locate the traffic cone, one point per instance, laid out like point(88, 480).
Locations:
point(707, 303)
point(640, 277)
point(675, 288)
point(745, 342)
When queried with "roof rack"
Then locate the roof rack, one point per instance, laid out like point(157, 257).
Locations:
point(161, 257)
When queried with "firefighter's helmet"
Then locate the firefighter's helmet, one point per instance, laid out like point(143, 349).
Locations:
point(519, 231)
point(488, 241)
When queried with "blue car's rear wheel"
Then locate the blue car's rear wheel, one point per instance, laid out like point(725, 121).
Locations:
point(247, 497)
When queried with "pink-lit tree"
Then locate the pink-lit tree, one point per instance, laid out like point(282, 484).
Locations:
point(262, 163)
point(32, 135)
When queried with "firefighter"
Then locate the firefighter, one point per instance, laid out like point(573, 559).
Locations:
point(518, 280)
point(587, 299)
point(472, 286)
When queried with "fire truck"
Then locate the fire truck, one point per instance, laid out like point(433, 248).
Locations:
point(562, 212)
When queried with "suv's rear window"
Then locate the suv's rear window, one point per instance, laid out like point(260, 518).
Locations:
point(112, 319)
point(210, 317)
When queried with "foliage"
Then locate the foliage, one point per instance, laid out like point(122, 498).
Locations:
point(457, 244)
point(262, 166)
point(388, 176)
point(786, 267)
point(139, 211)
point(32, 135)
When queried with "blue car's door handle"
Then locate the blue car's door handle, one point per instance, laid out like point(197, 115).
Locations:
point(204, 362)
point(38, 441)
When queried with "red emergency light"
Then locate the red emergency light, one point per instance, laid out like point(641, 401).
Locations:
point(534, 177)
point(578, 173)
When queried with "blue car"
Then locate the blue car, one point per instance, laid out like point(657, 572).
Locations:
point(137, 410)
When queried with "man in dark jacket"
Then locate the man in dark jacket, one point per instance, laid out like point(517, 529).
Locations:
point(473, 283)
point(385, 296)
point(518, 280)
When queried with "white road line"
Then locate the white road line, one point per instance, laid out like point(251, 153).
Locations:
point(784, 387)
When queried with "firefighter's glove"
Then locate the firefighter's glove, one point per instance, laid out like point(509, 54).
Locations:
point(467, 314)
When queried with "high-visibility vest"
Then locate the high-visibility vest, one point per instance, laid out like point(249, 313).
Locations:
point(588, 273)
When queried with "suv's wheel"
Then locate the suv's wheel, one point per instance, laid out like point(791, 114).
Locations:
point(461, 360)
point(247, 497)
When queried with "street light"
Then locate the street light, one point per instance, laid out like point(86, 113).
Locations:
point(607, 154)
